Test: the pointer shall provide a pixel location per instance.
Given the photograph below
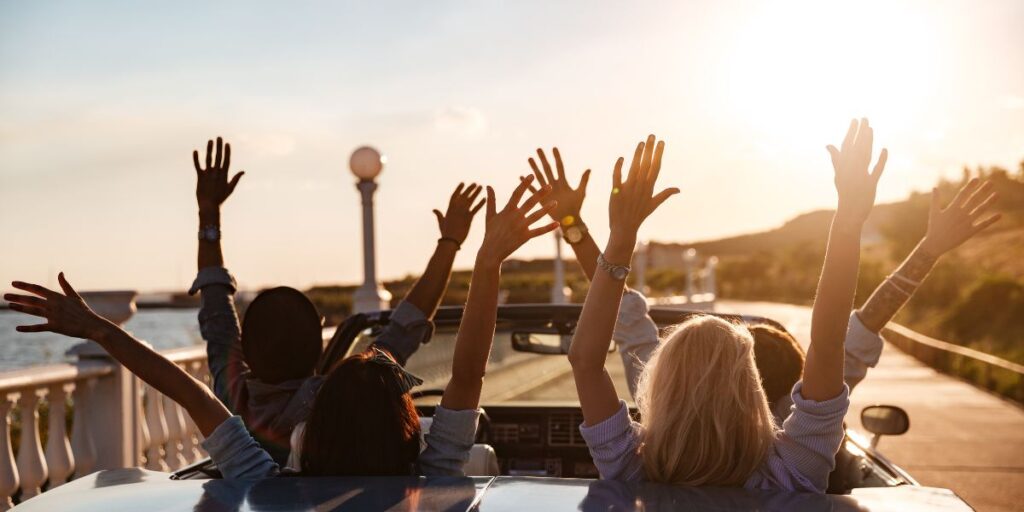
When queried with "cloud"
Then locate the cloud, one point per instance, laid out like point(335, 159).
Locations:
point(463, 121)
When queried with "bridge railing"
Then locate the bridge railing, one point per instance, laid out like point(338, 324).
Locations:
point(68, 420)
point(984, 370)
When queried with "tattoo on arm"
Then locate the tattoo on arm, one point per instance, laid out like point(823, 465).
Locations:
point(890, 296)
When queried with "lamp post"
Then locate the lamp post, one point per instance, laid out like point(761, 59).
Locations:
point(366, 164)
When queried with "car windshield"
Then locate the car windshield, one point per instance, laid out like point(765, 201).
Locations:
point(512, 376)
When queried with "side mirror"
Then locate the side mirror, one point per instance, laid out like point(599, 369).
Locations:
point(884, 420)
point(541, 342)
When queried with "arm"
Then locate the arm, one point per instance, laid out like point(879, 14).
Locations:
point(69, 315)
point(218, 320)
point(410, 323)
point(631, 202)
point(823, 369)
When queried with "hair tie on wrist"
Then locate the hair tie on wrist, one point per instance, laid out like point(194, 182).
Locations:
point(458, 244)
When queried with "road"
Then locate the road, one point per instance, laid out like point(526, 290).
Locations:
point(961, 438)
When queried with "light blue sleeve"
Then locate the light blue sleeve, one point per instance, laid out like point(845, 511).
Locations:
point(635, 335)
point(448, 442)
point(614, 445)
point(863, 349)
point(809, 440)
point(218, 324)
point(237, 454)
point(407, 329)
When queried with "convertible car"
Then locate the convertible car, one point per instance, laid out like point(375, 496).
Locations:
point(529, 453)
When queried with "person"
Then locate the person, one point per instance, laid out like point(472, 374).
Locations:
point(779, 357)
point(263, 370)
point(705, 419)
point(362, 420)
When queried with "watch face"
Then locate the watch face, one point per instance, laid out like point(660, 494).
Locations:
point(573, 234)
point(619, 273)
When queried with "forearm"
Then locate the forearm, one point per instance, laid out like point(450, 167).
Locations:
point(586, 255)
point(429, 289)
point(473, 342)
point(897, 289)
point(210, 254)
point(164, 376)
point(823, 370)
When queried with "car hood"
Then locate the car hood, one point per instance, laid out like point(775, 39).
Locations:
point(139, 489)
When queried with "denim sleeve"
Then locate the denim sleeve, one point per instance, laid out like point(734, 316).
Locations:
point(863, 349)
point(811, 436)
point(614, 445)
point(407, 329)
point(237, 454)
point(635, 335)
point(448, 442)
point(218, 324)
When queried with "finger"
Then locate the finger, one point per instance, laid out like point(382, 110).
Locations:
point(662, 196)
point(865, 138)
point(440, 217)
point(227, 157)
point(634, 166)
point(541, 181)
point(645, 163)
point(547, 228)
point(541, 212)
point(558, 164)
point(35, 288)
point(935, 207)
point(964, 192)
point(66, 286)
point(517, 194)
point(234, 181)
point(33, 328)
point(220, 150)
point(547, 167)
point(477, 207)
point(195, 160)
point(535, 199)
point(209, 154)
point(490, 200)
point(656, 163)
point(471, 198)
point(532, 188)
point(979, 227)
point(617, 175)
point(455, 195)
point(28, 310)
point(583, 181)
point(850, 134)
point(834, 154)
point(880, 166)
point(27, 300)
point(981, 193)
point(978, 210)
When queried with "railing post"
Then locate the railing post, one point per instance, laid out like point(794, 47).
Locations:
point(175, 434)
point(9, 481)
point(31, 466)
point(157, 431)
point(82, 445)
point(116, 404)
point(59, 459)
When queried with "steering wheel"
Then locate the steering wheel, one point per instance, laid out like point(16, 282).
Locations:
point(483, 432)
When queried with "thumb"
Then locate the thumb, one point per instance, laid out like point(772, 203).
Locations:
point(234, 181)
point(934, 208)
point(440, 217)
point(66, 286)
point(834, 153)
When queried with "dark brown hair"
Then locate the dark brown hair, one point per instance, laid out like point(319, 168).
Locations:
point(361, 423)
point(281, 335)
point(780, 360)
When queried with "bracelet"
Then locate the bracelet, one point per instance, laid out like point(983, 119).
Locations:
point(905, 280)
point(897, 286)
point(458, 244)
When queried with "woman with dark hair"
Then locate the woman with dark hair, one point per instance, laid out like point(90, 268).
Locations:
point(362, 421)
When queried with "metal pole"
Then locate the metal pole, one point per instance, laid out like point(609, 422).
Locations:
point(369, 297)
point(558, 286)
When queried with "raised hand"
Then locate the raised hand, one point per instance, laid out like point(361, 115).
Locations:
point(66, 314)
point(509, 229)
point(570, 200)
point(633, 200)
point(855, 185)
point(961, 219)
point(455, 223)
point(212, 184)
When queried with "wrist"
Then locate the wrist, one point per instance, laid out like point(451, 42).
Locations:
point(449, 243)
point(486, 261)
point(928, 248)
point(209, 216)
point(103, 332)
point(619, 250)
point(847, 223)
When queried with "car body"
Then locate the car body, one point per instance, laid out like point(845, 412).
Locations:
point(531, 421)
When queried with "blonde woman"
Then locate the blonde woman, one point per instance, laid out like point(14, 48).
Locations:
point(705, 417)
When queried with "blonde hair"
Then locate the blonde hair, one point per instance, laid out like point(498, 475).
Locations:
point(705, 416)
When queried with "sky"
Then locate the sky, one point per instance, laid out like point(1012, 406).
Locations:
point(102, 103)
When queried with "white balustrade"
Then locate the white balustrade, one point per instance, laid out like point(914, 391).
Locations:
point(82, 444)
point(31, 466)
point(175, 434)
point(9, 482)
point(157, 431)
point(59, 460)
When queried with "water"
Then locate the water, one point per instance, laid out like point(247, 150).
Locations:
point(163, 328)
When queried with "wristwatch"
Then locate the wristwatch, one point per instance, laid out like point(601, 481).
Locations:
point(618, 272)
point(209, 233)
point(575, 233)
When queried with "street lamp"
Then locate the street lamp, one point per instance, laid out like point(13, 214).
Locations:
point(366, 164)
